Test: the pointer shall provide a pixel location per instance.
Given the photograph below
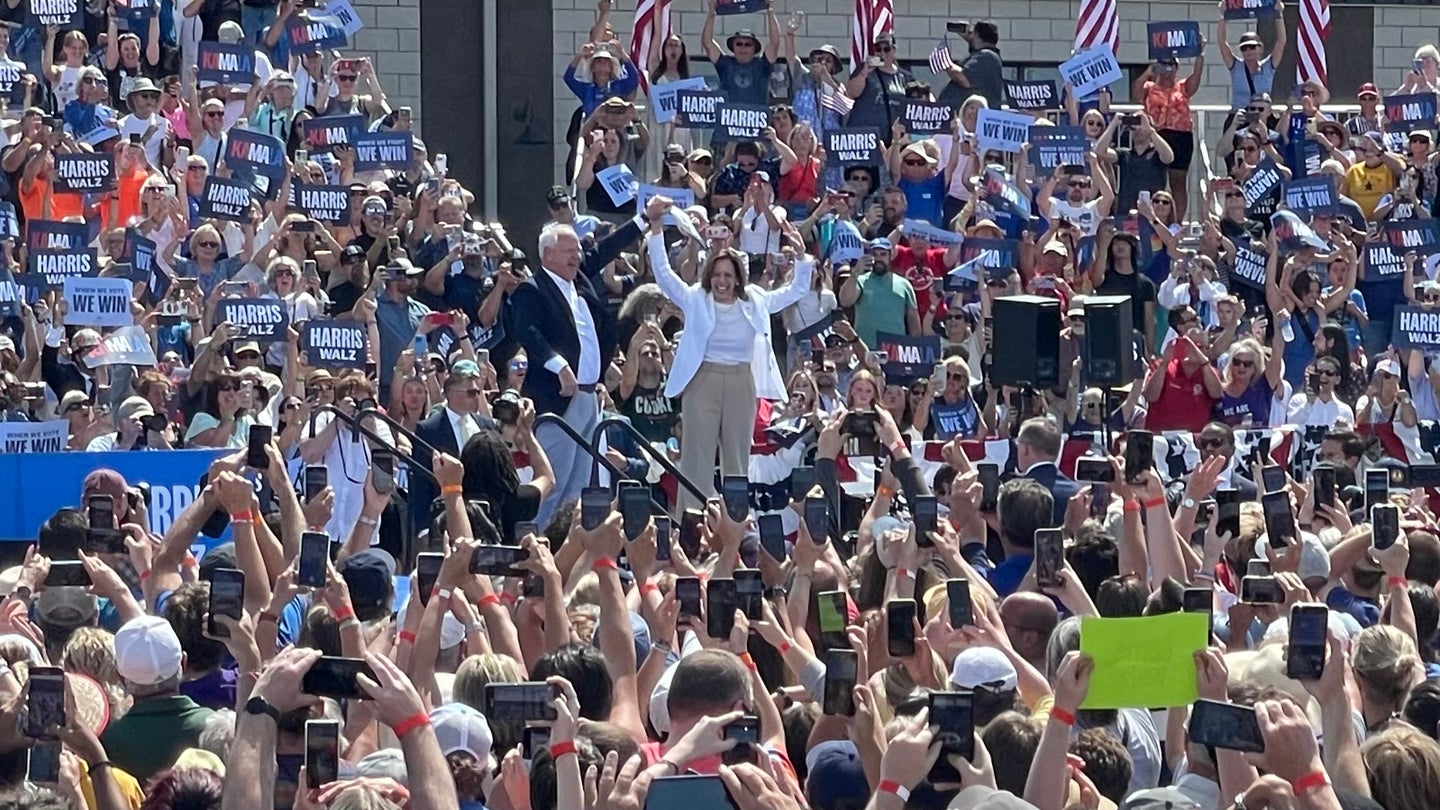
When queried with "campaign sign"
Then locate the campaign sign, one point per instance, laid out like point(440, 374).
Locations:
point(937, 237)
point(82, 172)
point(126, 346)
point(263, 320)
point(223, 198)
point(62, 14)
point(1313, 195)
point(741, 6)
point(9, 223)
point(698, 109)
point(742, 122)
point(619, 182)
point(852, 147)
point(136, 12)
point(1261, 183)
point(384, 150)
point(997, 256)
point(911, 356)
point(333, 344)
point(52, 234)
point(1056, 146)
point(664, 99)
point(926, 117)
point(98, 302)
point(57, 265)
point(139, 251)
point(1249, 9)
point(326, 132)
point(1409, 112)
point(1249, 269)
point(1173, 40)
point(1382, 263)
point(1002, 195)
point(1038, 94)
point(226, 64)
point(1005, 131)
point(1419, 236)
point(340, 14)
point(1293, 234)
point(10, 73)
point(679, 197)
point(260, 152)
point(1090, 70)
point(329, 204)
point(311, 33)
point(34, 437)
point(1416, 328)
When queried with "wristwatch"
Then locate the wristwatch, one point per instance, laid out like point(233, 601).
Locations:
point(258, 705)
point(1188, 503)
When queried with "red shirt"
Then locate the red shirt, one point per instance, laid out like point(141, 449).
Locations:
point(922, 276)
point(1184, 404)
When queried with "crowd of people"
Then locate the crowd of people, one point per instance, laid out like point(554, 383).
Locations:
point(728, 495)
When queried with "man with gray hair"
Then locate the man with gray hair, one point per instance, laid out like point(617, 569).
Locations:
point(1037, 449)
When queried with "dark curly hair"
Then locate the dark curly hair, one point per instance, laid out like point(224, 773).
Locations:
point(184, 789)
point(582, 665)
point(185, 611)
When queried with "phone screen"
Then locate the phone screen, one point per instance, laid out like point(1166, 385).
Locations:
point(662, 538)
point(45, 704)
point(989, 475)
point(692, 792)
point(1094, 469)
point(1305, 657)
point(1139, 453)
point(817, 518)
point(67, 573)
point(427, 571)
point(833, 620)
point(1377, 487)
point(841, 667)
point(333, 676)
point(316, 479)
point(533, 739)
point(255, 456)
point(1273, 477)
point(1049, 557)
point(1256, 590)
point(499, 561)
point(745, 730)
point(953, 714)
point(227, 598)
point(101, 512)
point(594, 507)
point(690, 538)
point(44, 764)
point(962, 610)
point(722, 599)
point(687, 595)
point(524, 527)
point(801, 480)
point(382, 476)
point(322, 751)
point(750, 593)
point(1227, 512)
point(900, 620)
point(1324, 486)
point(736, 491)
point(1385, 524)
point(1225, 725)
point(1279, 520)
point(772, 536)
point(314, 554)
point(927, 516)
point(635, 510)
point(1197, 600)
point(531, 701)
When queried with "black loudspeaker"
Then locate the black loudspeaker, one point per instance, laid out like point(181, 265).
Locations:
point(1026, 345)
point(1109, 345)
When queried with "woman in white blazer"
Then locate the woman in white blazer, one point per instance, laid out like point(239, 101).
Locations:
point(724, 363)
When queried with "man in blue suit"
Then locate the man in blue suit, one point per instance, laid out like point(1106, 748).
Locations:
point(1037, 448)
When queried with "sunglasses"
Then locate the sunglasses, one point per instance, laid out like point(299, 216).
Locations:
point(1258, 110)
point(520, 365)
point(346, 77)
point(884, 49)
point(194, 168)
point(1327, 373)
point(914, 163)
point(1250, 46)
point(1250, 149)
point(1081, 184)
point(1243, 363)
point(1206, 444)
point(224, 387)
point(215, 114)
point(79, 407)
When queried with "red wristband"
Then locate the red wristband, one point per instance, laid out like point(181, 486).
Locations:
point(489, 599)
point(243, 517)
point(1132, 507)
point(411, 723)
point(144, 575)
point(891, 786)
point(747, 661)
point(604, 562)
point(785, 647)
point(1310, 781)
point(407, 635)
point(1397, 582)
point(560, 749)
point(344, 612)
point(1160, 501)
point(648, 588)
point(509, 598)
point(1057, 713)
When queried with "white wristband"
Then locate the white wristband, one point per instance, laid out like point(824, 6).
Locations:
point(444, 593)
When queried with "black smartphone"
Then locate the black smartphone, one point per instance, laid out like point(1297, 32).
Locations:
point(1094, 469)
point(594, 507)
point(662, 538)
point(859, 424)
point(45, 703)
point(1279, 519)
point(316, 479)
point(735, 490)
point(841, 667)
point(334, 676)
point(817, 518)
point(1257, 568)
point(1273, 477)
point(1324, 485)
point(833, 616)
point(1261, 591)
point(692, 792)
point(1385, 525)
point(989, 476)
point(532, 739)
point(687, 596)
point(499, 561)
point(1204, 513)
point(801, 480)
point(526, 702)
point(255, 456)
point(314, 554)
point(322, 751)
point(750, 593)
point(1139, 453)
point(772, 536)
point(1099, 500)
point(1197, 600)
point(962, 610)
point(227, 598)
point(722, 599)
point(1377, 487)
point(524, 527)
point(44, 765)
point(960, 27)
point(1231, 726)
point(690, 537)
point(382, 476)
point(100, 511)
point(745, 729)
point(427, 571)
point(1227, 512)
point(1049, 557)
point(926, 511)
point(635, 510)
point(952, 713)
point(1309, 639)
point(900, 627)
point(67, 574)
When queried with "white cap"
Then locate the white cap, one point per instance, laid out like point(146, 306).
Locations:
point(985, 667)
point(459, 727)
point(452, 632)
point(147, 651)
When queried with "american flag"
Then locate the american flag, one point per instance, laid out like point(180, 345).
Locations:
point(940, 60)
point(1314, 30)
point(646, 13)
point(1098, 24)
point(872, 18)
point(834, 100)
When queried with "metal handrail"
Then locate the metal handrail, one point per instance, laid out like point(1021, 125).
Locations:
point(599, 458)
point(355, 424)
point(397, 427)
point(649, 450)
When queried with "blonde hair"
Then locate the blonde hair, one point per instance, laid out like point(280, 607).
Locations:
point(1402, 766)
point(1386, 663)
point(863, 375)
point(91, 651)
point(207, 228)
point(475, 672)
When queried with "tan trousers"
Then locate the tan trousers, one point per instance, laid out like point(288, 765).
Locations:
point(718, 413)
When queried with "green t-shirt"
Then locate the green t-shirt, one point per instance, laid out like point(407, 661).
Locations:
point(884, 300)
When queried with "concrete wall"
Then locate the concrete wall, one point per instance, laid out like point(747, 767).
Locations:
point(391, 37)
point(1031, 31)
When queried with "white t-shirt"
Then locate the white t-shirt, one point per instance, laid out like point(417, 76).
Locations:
point(733, 341)
point(130, 125)
point(756, 235)
point(1319, 413)
point(349, 463)
point(1085, 216)
point(68, 88)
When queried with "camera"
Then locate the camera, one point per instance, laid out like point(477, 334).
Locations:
point(506, 407)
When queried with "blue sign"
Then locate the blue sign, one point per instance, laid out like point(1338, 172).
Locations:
point(1249, 9)
point(224, 63)
point(1313, 195)
point(260, 152)
point(1409, 112)
point(1173, 40)
point(313, 34)
point(384, 150)
point(1056, 146)
point(1033, 94)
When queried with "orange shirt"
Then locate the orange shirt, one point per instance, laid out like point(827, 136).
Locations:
point(61, 205)
point(129, 188)
point(1168, 107)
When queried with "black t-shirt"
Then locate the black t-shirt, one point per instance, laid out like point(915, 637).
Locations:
point(651, 412)
point(525, 505)
point(122, 78)
point(1136, 285)
point(344, 296)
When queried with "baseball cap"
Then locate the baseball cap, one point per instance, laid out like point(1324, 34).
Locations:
point(67, 608)
point(6, 343)
point(1389, 366)
point(835, 775)
point(1166, 798)
point(1367, 89)
point(147, 651)
point(401, 266)
point(202, 759)
point(387, 762)
point(221, 556)
point(879, 244)
point(1250, 38)
point(73, 399)
point(1056, 246)
point(104, 482)
point(369, 575)
point(459, 727)
point(247, 346)
point(984, 667)
point(983, 797)
point(134, 408)
point(85, 338)
point(352, 253)
point(556, 194)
